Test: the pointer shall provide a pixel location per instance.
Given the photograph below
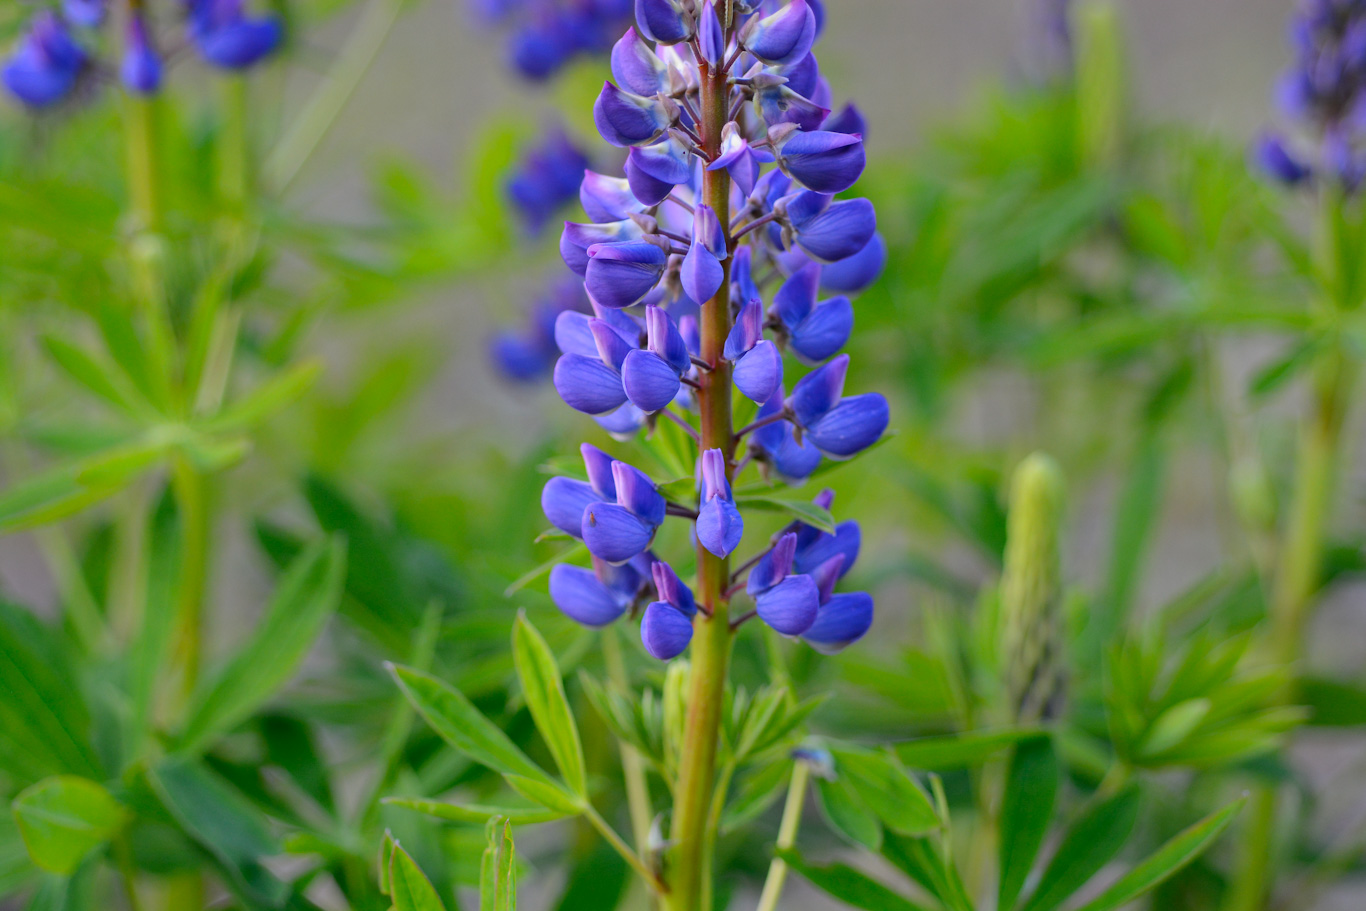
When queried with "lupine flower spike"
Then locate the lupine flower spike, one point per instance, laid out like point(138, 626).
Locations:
point(679, 255)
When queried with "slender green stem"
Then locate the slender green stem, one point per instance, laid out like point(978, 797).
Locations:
point(621, 847)
point(128, 872)
point(787, 837)
point(234, 146)
point(141, 116)
point(632, 764)
point(689, 878)
point(192, 501)
point(318, 117)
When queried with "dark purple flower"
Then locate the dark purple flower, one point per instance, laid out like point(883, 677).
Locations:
point(719, 526)
point(1273, 158)
point(141, 67)
point(636, 67)
point(702, 272)
point(825, 162)
point(593, 384)
point(621, 274)
point(775, 445)
point(786, 601)
point(666, 627)
point(546, 178)
point(784, 37)
point(840, 427)
point(825, 229)
point(228, 38)
point(664, 21)
point(618, 531)
point(840, 621)
point(815, 330)
point(44, 68)
point(576, 239)
point(758, 369)
point(625, 119)
point(854, 274)
point(652, 172)
point(652, 376)
point(849, 120)
point(598, 596)
point(85, 13)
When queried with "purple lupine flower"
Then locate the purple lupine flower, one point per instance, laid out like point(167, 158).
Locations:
point(652, 376)
point(528, 354)
point(657, 255)
point(785, 600)
point(546, 178)
point(85, 13)
point(839, 427)
point(228, 38)
point(758, 369)
point(666, 625)
point(719, 526)
point(140, 70)
point(47, 63)
point(599, 596)
point(618, 531)
point(545, 35)
point(1324, 93)
point(815, 330)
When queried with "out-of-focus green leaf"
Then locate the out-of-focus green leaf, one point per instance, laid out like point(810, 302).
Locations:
point(474, 813)
point(1333, 703)
point(306, 597)
point(94, 376)
point(544, 692)
point(63, 819)
point(44, 724)
point(597, 882)
point(497, 873)
point(1026, 811)
point(386, 858)
point(850, 886)
point(1171, 857)
point(266, 400)
point(847, 814)
point(222, 822)
point(1091, 842)
point(955, 751)
point(887, 790)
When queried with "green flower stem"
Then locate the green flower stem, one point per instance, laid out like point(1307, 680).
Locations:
point(141, 117)
point(787, 836)
point(1299, 568)
point(632, 765)
point(621, 847)
point(689, 881)
point(234, 145)
point(312, 125)
point(192, 501)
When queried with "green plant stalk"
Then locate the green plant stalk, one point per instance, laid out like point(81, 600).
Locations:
point(632, 765)
point(192, 502)
point(141, 116)
point(689, 882)
point(234, 146)
point(787, 836)
point(1298, 575)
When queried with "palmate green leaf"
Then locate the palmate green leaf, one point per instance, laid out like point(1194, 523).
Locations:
point(461, 725)
point(266, 400)
point(1026, 810)
point(409, 887)
point(544, 692)
point(307, 596)
point(64, 818)
point(475, 812)
point(1166, 861)
point(1093, 840)
point(847, 814)
point(886, 789)
point(67, 489)
point(96, 377)
point(801, 510)
point(850, 886)
point(44, 724)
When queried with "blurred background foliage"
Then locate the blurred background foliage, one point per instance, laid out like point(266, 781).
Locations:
point(230, 503)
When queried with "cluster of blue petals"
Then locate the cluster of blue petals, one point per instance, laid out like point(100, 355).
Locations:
point(546, 179)
point(58, 50)
point(1324, 95)
point(545, 35)
point(652, 253)
point(528, 353)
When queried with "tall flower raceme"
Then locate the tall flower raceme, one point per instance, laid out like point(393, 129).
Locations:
point(1324, 95)
point(543, 36)
point(61, 49)
point(719, 258)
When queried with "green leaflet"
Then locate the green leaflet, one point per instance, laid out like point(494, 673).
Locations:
point(62, 819)
point(545, 697)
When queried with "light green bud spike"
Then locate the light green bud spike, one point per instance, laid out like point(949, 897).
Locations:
point(1101, 82)
point(1031, 592)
